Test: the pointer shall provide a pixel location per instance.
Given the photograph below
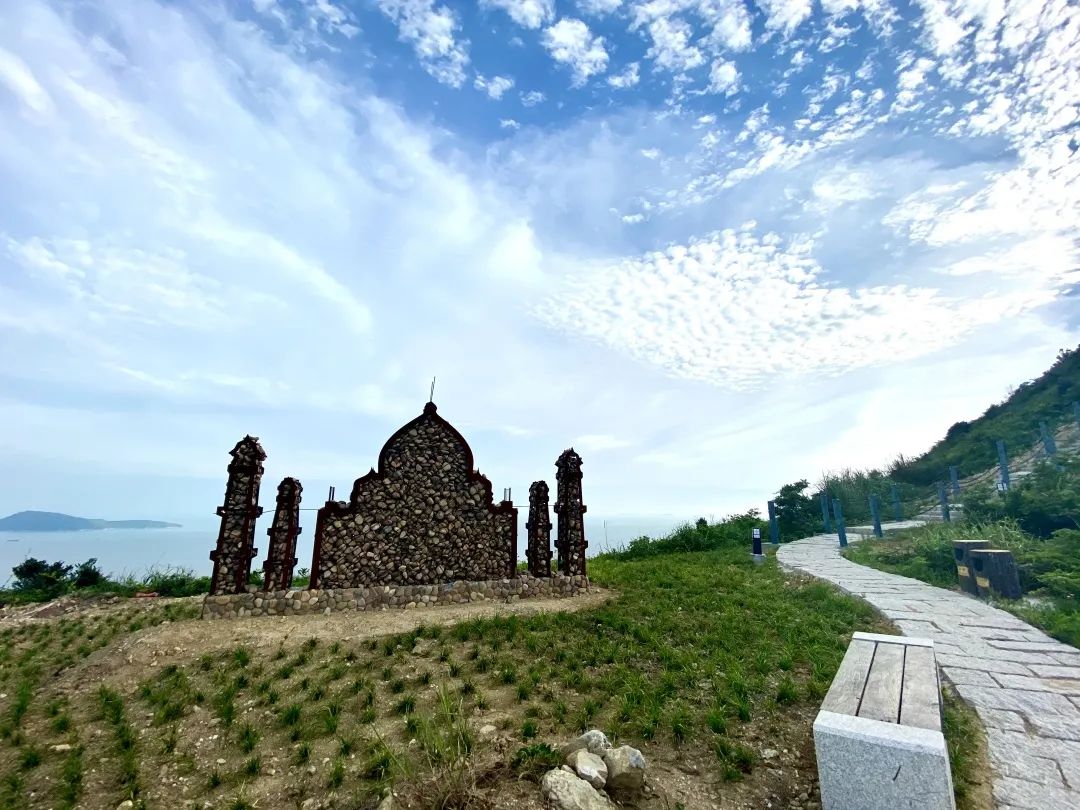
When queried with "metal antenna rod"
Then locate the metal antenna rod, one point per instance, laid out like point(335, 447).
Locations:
point(431, 396)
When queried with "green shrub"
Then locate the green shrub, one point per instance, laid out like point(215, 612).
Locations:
point(703, 536)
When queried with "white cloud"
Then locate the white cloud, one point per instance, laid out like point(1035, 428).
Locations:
point(598, 8)
point(526, 13)
point(430, 30)
point(570, 42)
point(508, 123)
point(532, 98)
point(494, 87)
point(735, 309)
point(785, 15)
point(626, 78)
point(730, 24)
point(723, 77)
point(20, 81)
point(671, 46)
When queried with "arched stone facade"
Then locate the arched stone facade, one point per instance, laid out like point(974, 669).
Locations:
point(425, 516)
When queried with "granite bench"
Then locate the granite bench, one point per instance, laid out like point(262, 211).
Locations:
point(878, 735)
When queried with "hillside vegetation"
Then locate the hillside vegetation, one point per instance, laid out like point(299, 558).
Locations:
point(970, 445)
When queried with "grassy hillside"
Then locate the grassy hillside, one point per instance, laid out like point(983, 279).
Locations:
point(970, 445)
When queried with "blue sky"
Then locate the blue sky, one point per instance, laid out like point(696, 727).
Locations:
point(716, 245)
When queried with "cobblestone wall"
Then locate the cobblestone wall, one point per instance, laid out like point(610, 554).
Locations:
point(281, 556)
point(236, 537)
point(426, 516)
point(303, 602)
point(538, 550)
point(570, 539)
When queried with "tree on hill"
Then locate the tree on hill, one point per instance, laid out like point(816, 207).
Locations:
point(797, 514)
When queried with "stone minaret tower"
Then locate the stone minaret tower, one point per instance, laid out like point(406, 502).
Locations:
point(281, 557)
point(236, 538)
point(570, 540)
point(538, 552)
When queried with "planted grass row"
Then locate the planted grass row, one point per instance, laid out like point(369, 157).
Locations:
point(34, 654)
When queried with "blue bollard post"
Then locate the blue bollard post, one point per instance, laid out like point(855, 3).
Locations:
point(943, 494)
point(954, 479)
point(774, 525)
point(825, 512)
point(898, 511)
point(1003, 463)
point(1049, 445)
point(838, 517)
point(875, 513)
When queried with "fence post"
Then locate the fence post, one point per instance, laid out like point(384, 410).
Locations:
point(825, 512)
point(875, 513)
point(1049, 445)
point(1003, 463)
point(774, 525)
point(954, 479)
point(943, 494)
point(898, 511)
point(838, 517)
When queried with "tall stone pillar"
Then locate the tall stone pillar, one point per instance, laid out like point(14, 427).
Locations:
point(570, 539)
point(538, 552)
point(236, 538)
point(281, 556)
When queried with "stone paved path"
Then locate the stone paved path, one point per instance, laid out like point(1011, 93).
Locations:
point(1024, 685)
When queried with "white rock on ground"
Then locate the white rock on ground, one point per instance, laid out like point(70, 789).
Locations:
point(594, 741)
point(564, 791)
point(589, 767)
point(626, 770)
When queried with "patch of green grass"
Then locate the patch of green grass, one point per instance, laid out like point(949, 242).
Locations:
point(71, 777)
point(966, 740)
point(248, 738)
point(112, 710)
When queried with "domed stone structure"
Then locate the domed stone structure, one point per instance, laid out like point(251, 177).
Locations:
point(425, 516)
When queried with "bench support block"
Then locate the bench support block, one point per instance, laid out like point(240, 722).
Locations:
point(873, 765)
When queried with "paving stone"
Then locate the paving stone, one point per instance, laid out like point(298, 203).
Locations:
point(1029, 703)
point(1001, 719)
point(1056, 726)
point(1010, 754)
point(1059, 685)
point(1032, 796)
point(984, 664)
point(969, 677)
point(1055, 671)
point(1029, 646)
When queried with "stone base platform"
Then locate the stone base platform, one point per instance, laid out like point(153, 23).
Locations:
point(380, 597)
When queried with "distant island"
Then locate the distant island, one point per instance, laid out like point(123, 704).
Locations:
point(57, 522)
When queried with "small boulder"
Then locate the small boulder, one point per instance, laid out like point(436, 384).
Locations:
point(564, 791)
point(589, 767)
point(626, 770)
point(594, 741)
